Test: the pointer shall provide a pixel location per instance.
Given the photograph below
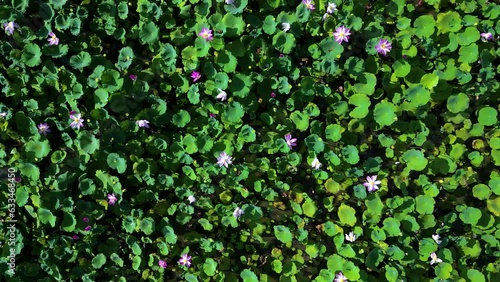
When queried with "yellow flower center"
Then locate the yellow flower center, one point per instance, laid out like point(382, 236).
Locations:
point(383, 46)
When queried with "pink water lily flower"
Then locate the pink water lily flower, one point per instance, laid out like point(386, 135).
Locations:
point(340, 277)
point(435, 259)
point(142, 123)
point(342, 34)
point(238, 212)
point(77, 120)
point(224, 160)
point(371, 183)
point(195, 76)
point(88, 228)
point(309, 4)
point(162, 264)
point(112, 199)
point(133, 77)
point(53, 40)
point(290, 141)
point(383, 47)
point(43, 128)
point(9, 27)
point(315, 163)
point(185, 260)
point(487, 35)
point(206, 34)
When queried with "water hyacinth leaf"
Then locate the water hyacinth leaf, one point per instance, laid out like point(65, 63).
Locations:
point(46, 217)
point(315, 143)
point(384, 113)
point(443, 270)
point(429, 80)
point(181, 119)
point(415, 160)
point(37, 149)
point(391, 273)
point(425, 204)
point(248, 276)
point(424, 26)
point(148, 33)
point(129, 224)
point(269, 25)
point(300, 120)
point(487, 116)
point(147, 225)
point(457, 103)
point(122, 10)
point(247, 134)
point(284, 42)
point(80, 61)
point(333, 132)
point(362, 103)
point(366, 85)
point(237, 7)
point(283, 234)
point(30, 170)
point(470, 215)
point(468, 54)
point(475, 275)
point(69, 222)
point(391, 226)
point(401, 68)
point(468, 36)
point(117, 162)
point(209, 267)
point(309, 207)
point(448, 22)
point(31, 55)
point(125, 58)
point(233, 113)
point(98, 261)
point(57, 4)
point(350, 154)
point(347, 215)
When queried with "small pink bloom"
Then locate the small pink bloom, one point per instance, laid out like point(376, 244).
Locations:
point(75, 237)
point(212, 115)
point(342, 34)
point(9, 27)
point(291, 142)
point(195, 76)
point(112, 199)
point(77, 120)
point(87, 228)
point(383, 47)
point(206, 34)
point(162, 264)
point(85, 219)
point(191, 199)
point(273, 94)
point(133, 77)
point(340, 277)
point(309, 4)
point(238, 212)
point(224, 160)
point(185, 260)
point(371, 183)
point(142, 123)
point(43, 128)
point(487, 35)
point(53, 40)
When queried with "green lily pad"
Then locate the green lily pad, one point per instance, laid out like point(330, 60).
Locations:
point(457, 103)
point(347, 215)
point(283, 234)
point(448, 22)
point(385, 113)
point(487, 116)
point(424, 26)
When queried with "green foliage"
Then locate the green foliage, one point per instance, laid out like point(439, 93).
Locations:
point(422, 117)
